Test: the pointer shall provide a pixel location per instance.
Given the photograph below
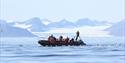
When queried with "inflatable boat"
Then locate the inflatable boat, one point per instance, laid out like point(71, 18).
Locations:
point(61, 43)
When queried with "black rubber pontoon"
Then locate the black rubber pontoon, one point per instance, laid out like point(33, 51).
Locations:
point(61, 43)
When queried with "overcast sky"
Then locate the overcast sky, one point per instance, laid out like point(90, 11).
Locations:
point(109, 10)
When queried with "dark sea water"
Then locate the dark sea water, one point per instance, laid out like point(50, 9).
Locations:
point(27, 50)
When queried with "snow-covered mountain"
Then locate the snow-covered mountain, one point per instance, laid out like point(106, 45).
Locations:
point(36, 25)
point(88, 22)
point(117, 29)
point(61, 24)
point(7, 30)
point(81, 22)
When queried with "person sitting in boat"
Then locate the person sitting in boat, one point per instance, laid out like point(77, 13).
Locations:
point(61, 38)
point(67, 40)
point(52, 39)
point(77, 35)
point(72, 40)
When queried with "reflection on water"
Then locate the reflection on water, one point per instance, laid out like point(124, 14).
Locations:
point(27, 50)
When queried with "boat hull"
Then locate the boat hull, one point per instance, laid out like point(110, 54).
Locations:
point(61, 43)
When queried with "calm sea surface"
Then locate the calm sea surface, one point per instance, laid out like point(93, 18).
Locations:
point(27, 50)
